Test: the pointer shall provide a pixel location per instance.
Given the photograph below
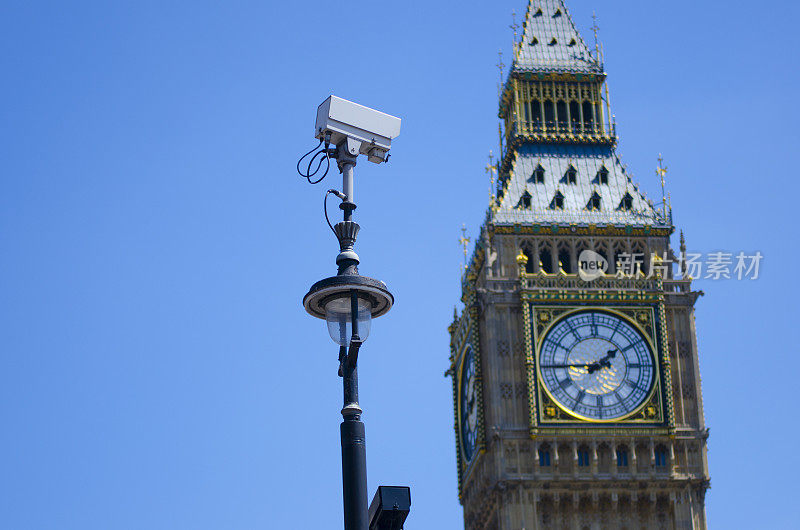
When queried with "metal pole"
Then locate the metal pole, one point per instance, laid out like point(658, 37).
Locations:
point(354, 448)
point(347, 187)
point(354, 456)
point(347, 162)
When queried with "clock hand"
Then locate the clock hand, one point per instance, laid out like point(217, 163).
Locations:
point(591, 367)
point(605, 362)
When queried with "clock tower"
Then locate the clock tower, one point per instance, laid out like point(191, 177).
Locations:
point(574, 363)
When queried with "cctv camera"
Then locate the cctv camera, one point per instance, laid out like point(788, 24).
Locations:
point(365, 131)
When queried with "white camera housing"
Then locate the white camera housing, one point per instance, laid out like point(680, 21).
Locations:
point(365, 131)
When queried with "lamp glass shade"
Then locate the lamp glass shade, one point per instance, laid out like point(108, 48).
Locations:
point(340, 323)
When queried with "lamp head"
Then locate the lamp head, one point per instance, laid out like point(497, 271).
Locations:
point(339, 316)
point(331, 299)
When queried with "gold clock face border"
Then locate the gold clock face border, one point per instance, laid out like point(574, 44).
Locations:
point(653, 351)
point(460, 412)
point(468, 336)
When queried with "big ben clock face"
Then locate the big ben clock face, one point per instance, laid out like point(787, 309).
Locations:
point(468, 404)
point(596, 365)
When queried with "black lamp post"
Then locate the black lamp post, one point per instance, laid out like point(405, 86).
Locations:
point(348, 302)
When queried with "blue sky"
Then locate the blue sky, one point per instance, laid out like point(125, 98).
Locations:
point(157, 369)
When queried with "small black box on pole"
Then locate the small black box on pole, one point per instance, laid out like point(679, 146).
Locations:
point(389, 508)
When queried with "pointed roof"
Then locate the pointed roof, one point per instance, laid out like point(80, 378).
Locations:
point(563, 180)
point(584, 201)
point(551, 42)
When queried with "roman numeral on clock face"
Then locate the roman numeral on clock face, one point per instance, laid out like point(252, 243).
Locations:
point(614, 331)
point(573, 330)
point(632, 345)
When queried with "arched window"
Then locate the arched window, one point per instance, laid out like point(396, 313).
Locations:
point(529, 265)
point(602, 176)
point(575, 116)
point(546, 260)
point(594, 203)
point(544, 456)
point(524, 201)
point(583, 457)
point(599, 113)
point(564, 260)
point(588, 122)
point(558, 201)
point(626, 203)
point(641, 260)
point(536, 113)
point(580, 247)
point(561, 114)
point(661, 456)
point(622, 457)
point(570, 176)
point(623, 262)
point(603, 253)
point(618, 254)
point(538, 175)
point(549, 112)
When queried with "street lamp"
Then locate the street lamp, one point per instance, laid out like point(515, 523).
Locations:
point(338, 315)
point(348, 301)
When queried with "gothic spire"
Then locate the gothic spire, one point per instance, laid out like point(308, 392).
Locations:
point(558, 165)
point(683, 255)
point(551, 42)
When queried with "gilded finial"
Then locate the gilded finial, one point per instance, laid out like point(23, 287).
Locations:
point(514, 27)
point(595, 29)
point(464, 241)
point(491, 170)
point(608, 97)
point(500, 65)
point(522, 259)
point(669, 203)
point(661, 171)
point(500, 136)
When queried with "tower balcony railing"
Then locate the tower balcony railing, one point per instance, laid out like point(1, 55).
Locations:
point(644, 217)
point(680, 286)
point(568, 130)
point(559, 281)
point(643, 472)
